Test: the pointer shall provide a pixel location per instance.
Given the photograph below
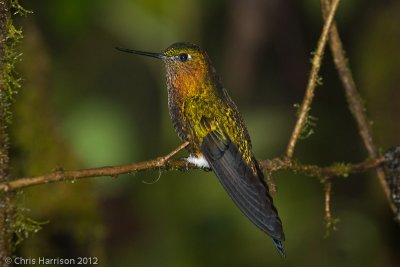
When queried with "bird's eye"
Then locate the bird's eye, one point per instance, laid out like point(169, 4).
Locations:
point(184, 57)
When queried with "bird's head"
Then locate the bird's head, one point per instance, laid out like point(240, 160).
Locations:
point(187, 66)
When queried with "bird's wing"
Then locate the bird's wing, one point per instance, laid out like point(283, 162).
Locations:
point(245, 187)
point(241, 179)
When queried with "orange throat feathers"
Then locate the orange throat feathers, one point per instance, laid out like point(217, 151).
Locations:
point(188, 80)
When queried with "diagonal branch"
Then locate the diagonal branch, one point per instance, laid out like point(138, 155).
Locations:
point(353, 97)
point(312, 81)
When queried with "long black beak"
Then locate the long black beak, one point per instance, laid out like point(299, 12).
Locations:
point(149, 54)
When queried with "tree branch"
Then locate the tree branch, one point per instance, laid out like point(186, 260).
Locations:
point(161, 163)
point(353, 97)
point(323, 173)
point(312, 81)
point(113, 171)
point(165, 163)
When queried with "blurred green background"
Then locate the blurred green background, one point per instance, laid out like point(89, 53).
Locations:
point(84, 104)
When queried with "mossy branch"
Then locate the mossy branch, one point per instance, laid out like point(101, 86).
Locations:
point(353, 97)
point(166, 164)
point(313, 81)
point(9, 84)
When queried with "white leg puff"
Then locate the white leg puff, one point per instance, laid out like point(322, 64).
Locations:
point(200, 162)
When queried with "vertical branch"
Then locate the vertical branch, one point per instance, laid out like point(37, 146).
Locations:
point(6, 198)
point(329, 220)
point(328, 188)
point(353, 97)
point(312, 81)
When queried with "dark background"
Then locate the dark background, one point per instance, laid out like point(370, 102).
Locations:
point(84, 104)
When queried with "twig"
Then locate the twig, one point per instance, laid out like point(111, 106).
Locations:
point(330, 221)
point(327, 189)
point(173, 153)
point(353, 97)
point(312, 81)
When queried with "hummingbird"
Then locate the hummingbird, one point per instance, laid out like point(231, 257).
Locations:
point(204, 115)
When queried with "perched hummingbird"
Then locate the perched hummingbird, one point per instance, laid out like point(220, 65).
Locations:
point(203, 114)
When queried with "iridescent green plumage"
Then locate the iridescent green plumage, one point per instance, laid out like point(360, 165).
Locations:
point(190, 103)
point(204, 115)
